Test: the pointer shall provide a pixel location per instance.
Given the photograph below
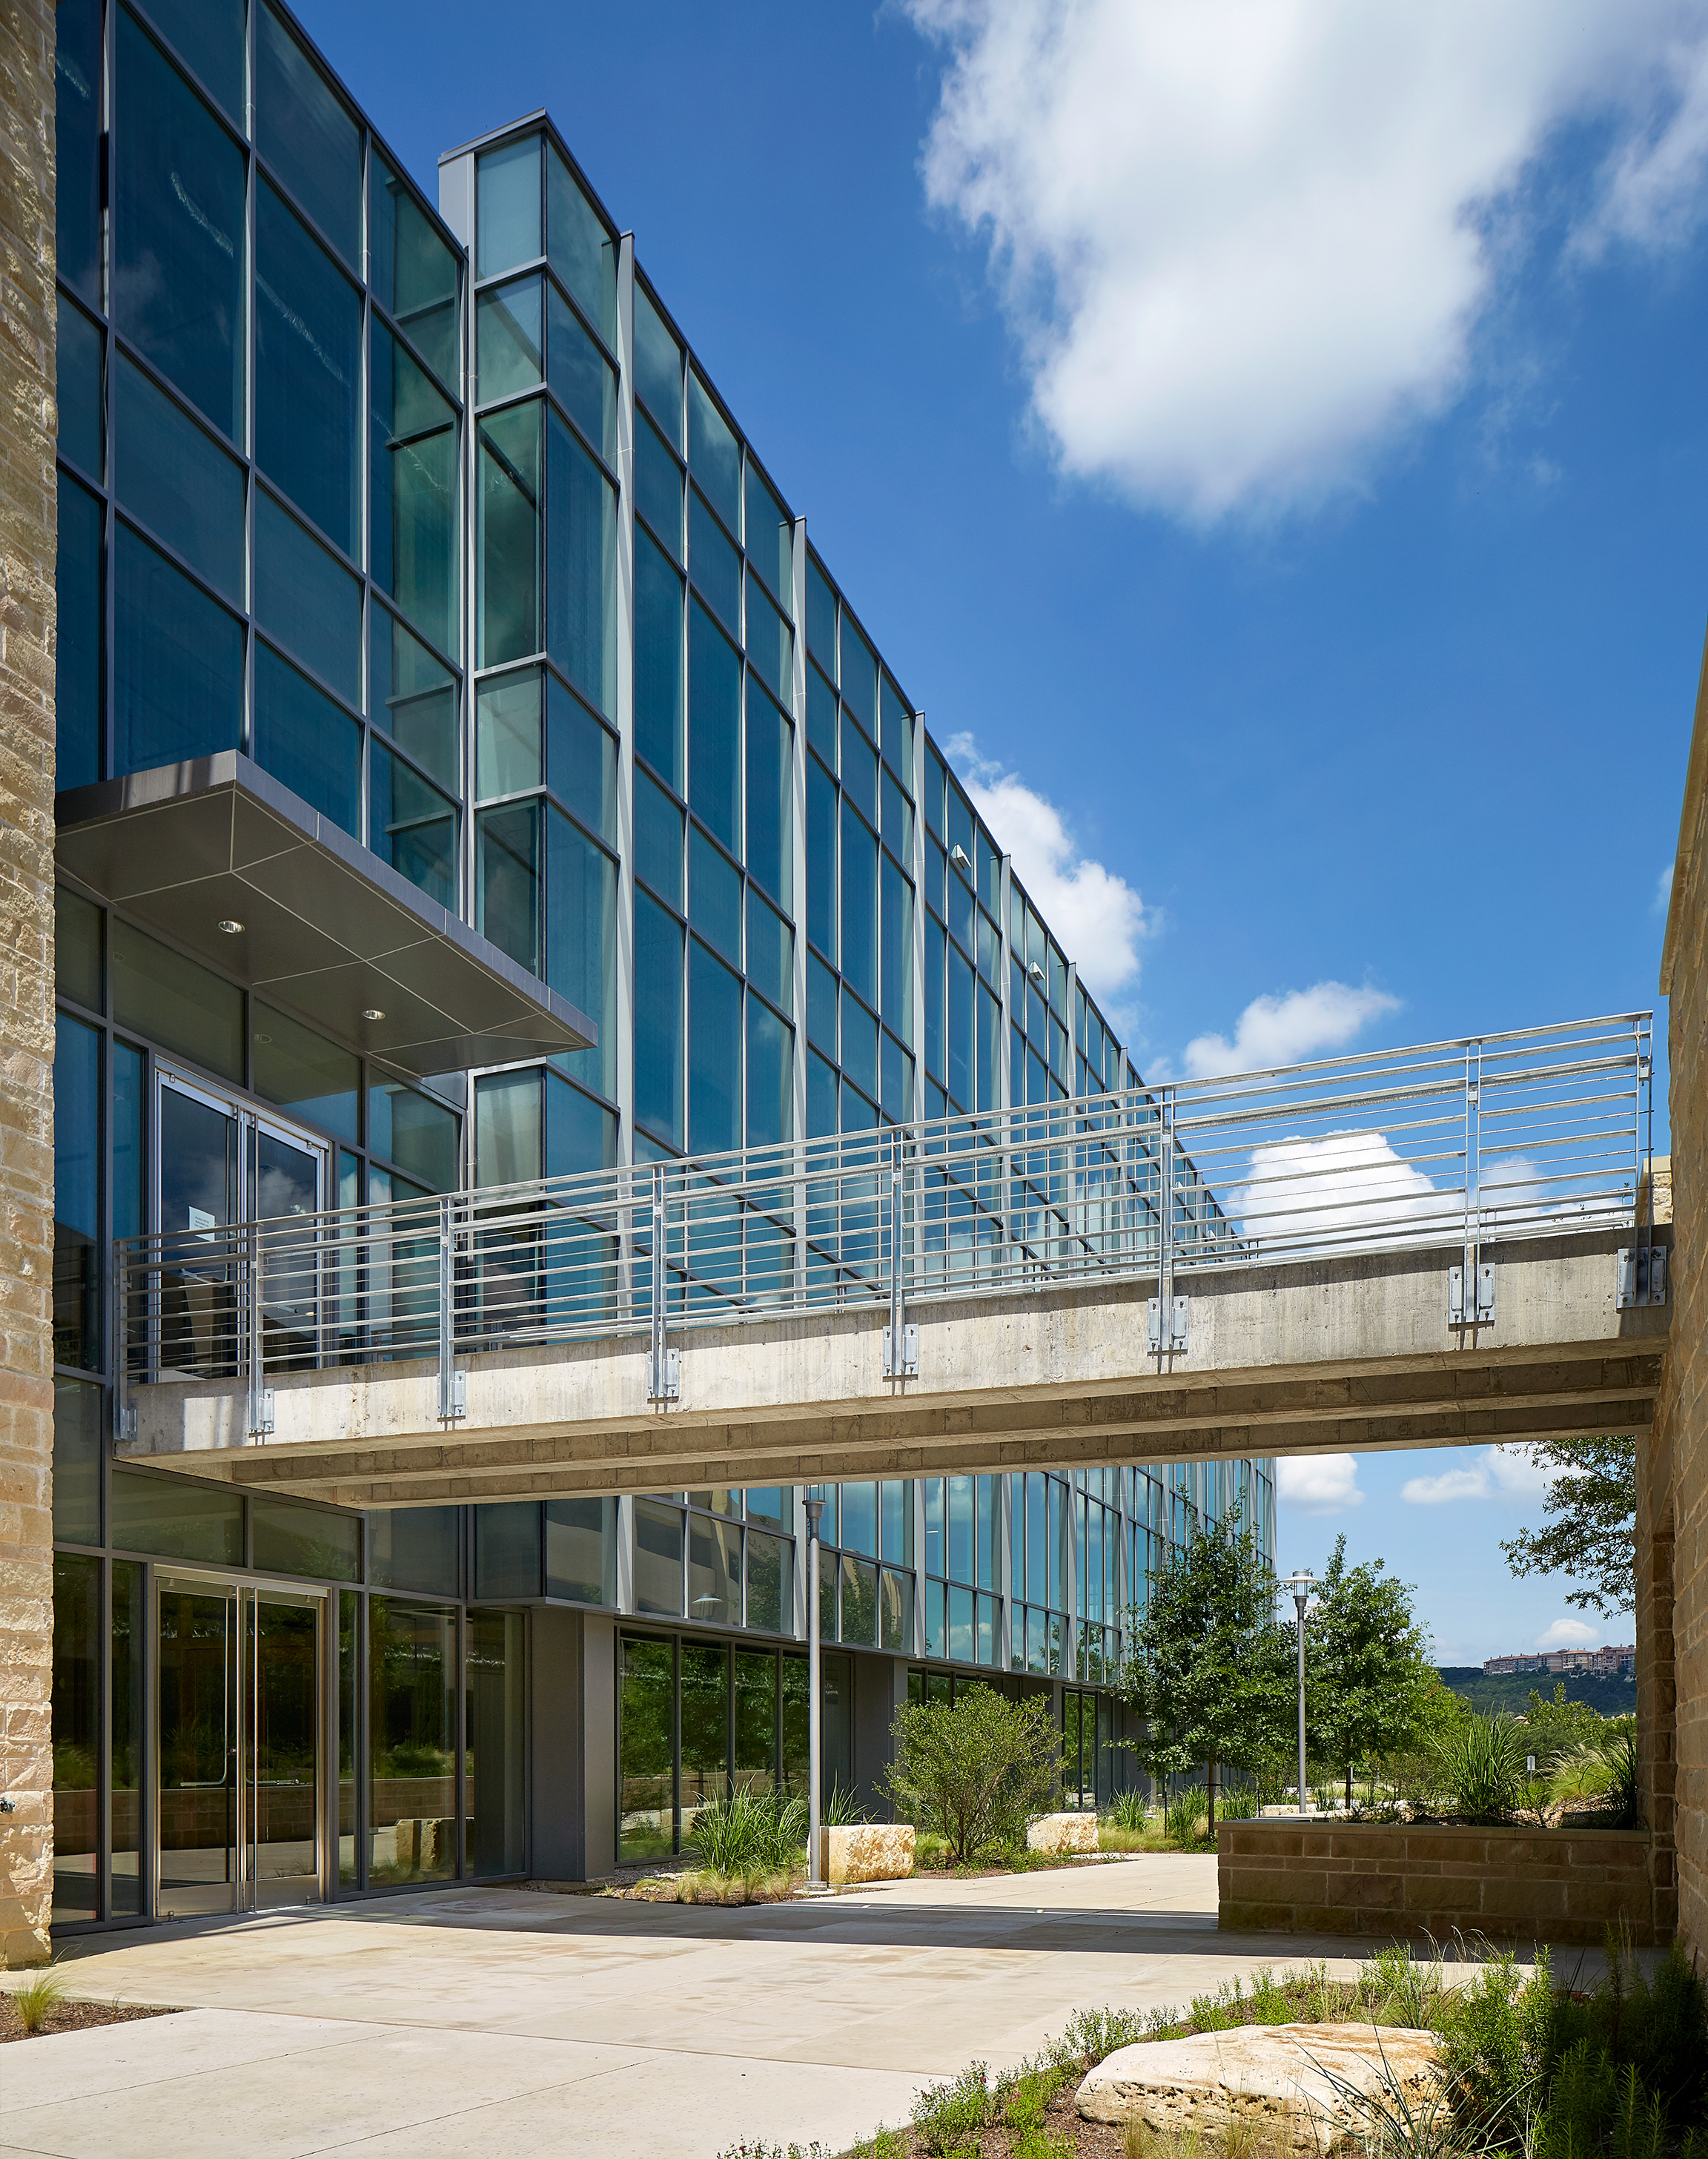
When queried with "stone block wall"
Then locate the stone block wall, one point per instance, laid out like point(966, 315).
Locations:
point(1512, 1885)
point(27, 542)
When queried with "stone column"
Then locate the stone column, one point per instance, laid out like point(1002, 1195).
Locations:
point(27, 536)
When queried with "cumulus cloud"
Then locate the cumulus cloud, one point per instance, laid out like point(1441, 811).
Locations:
point(1567, 1634)
point(1318, 1484)
point(1098, 916)
point(1500, 1472)
point(1242, 246)
point(1663, 892)
point(1348, 1189)
point(1283, 1030)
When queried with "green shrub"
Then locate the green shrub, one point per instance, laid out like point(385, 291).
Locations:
point(1128, 1810)
point(976, 1770)
point(952, 2118)
point(747, 1832)
point(1482, 1766)
point(1237, 1803)
point(1186, 1814)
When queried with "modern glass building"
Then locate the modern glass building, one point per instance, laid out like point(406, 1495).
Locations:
point(469, 771)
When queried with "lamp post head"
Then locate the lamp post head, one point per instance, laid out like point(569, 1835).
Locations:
point(815, 1496)
point(1299, 1587)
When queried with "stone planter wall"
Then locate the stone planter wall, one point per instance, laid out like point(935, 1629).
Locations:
point(1512, 1885)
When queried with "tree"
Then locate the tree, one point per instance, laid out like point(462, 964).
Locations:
point(1367, 1663)
point(975, 1772)
point(1593, 1534)
point(1207, 1661)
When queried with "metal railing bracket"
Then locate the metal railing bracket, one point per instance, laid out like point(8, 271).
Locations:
point(1642, 1275)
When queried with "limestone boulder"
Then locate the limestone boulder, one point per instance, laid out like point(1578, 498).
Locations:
point(1063, 1833)
point(1285, 2081)
point(867, 1851)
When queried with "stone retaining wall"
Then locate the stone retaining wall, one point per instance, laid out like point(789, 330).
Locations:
point(1512, 1885)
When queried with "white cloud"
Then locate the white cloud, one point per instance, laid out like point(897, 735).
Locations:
point(1318, 1484)
point(1349, 1188)
point(1500, 1472)
point(1663, 892)
point(1098, 916)
point(1567, 1634)
point(1284, 1030)
point(1242, 246)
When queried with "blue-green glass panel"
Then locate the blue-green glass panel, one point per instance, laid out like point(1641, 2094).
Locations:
point(658, 840)
point(305, 598)
point(77, 77)
point(820, 619)
point(715, 896)
point(959, 1074)
point(510, 540)
point(173, 477)
point(859, 1045)
point(770, 951)
point(897, 815)
point(859, 904)
point(307, 741)
point(306, 135)
point(895, 999)
point(987, 1022)
point(935, 778)
point(307, 370)
point(80, 390)
point(770, 646)
point(658, 661)
point(507, 880)
point(715, 1034)
point(580, 943)
point(177, 664)
point(581, 761)
point(859, 676)
point(579, 1134)
point(858, 1114)
point(582, 251)
point(180, 257)
point(76, 1275)
point(658, 1020)
point(770, 539)
point(820, 1097)
point(207, 35)
point(412, 536)
point(821, 858)
point(821, 717)
point(415, 1132)
point(658, 487)
point(770, 784)
point(79, 586)
point(895, 1080)
point(507, 207)
point(860, 1519)
point(821, 1006)
point(714, 565)
point(411, 825)
point(129, 1155)
point(412, 695)
point(714, 728)
point(860, 773)
point(582, 377)
point(507, 1141)
point(581, 568)
point(714, 455)
point(896, 725)
point(771, 1077)
point(936, 952)
point(508, 745)
point(657, 368)
point(304, 1073)
point(413, 272)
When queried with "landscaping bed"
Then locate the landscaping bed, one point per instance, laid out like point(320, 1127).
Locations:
point(30, 2019)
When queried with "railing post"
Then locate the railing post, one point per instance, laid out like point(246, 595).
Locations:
point(901, 1343)
point(1471, 1285)
point(1168, 1313)
point(260, 1395)
point(121, 1412)
point(663, 1372)
point(453, 1385)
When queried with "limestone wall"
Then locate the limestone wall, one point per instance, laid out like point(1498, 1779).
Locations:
point(28, 527)
point(1512, 1885)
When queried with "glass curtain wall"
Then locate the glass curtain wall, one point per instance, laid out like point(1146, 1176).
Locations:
point(260, 535)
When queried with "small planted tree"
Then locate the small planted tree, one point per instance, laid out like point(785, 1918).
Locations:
point(975, 1771)
point(1208, 1670)
point(1369, 1677)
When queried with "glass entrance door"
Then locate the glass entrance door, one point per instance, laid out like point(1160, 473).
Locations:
point(284, 1179)
point(239, 1746)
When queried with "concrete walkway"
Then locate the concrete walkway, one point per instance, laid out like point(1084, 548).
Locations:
point(489, 2023)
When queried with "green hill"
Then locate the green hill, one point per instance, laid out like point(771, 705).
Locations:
point(1489, 1691)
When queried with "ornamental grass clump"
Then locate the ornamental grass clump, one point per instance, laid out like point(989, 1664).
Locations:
point(1482, 1764)
point(36, 1999)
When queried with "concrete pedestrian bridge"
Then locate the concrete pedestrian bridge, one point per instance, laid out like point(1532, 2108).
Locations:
point(1455, 1243)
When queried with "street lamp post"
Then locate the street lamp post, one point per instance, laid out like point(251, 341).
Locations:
point(815, 1867)
point(1300, 1587)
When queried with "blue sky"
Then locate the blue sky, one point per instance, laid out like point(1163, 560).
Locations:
point(1274, 439)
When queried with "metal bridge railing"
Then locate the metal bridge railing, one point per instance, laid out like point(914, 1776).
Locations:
point(1457, 1143)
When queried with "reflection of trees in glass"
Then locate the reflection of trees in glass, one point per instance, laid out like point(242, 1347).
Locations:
point(766, 1582)
point(859, 1602)
point(648, 1734)
point(796, 1726)
point(412, 1740)
point(705, 1727)
point(755, 1719)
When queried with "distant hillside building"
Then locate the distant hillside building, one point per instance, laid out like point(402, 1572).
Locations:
point(1606, 1663)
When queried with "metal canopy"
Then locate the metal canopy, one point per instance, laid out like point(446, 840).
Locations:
point(329, 930)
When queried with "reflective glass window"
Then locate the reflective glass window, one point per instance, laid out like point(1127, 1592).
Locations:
point(507, 735)
point(176, 1003)
point(305, 134)
point(658, 1020)
point(714, 565)
point(583, 253)
point(415, 1132)
point(657, 368)
point(80, 390)
point(658, 1559)
point(507, 1128)
point(646, 1726)
point(580, 943)
point(898, 814)
point(715, 1035)
point(715, 896)
point(770, 646)
point(580, 1136)
point(896, 724)
point(821, 1006)
point(179, 251)
point(304, 1073)
point(896, 990)
point(820, 618)
point(658, 660)
point(714, 1600)
point(509, 338)
point(413, 272)
point(507, 206)
point(714, 455)
point(174, 478)
point(714, 728)
point(411, 825)
point(770, 951)
point(288, 1537)
point(859, 678)
point(79, 585)
point(821, 858)
point(412, 535)
point(658, 840)
point(580, 374)
point(821, 727)
point(412, 695)
point(507, 877)
point(76, 1713)
point(305, 598)
point(581, 568)
point(411, 1742)
point(306, 741)
point(581, 1549)
point(770, 539)
point(507, 1548)
point(581, 761)
point(414, 1548)
point(78, 1439)
point(860, 773)
point(307, 370)
point(77, 1151)
point(859, 1045)
point(177, 664)
point(509, 536)
point(820, 1097)
point(770, 758)
point(78, 71)
point(658, 487)
point(175, 1518)
point(859, 904)
point(77, 948)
